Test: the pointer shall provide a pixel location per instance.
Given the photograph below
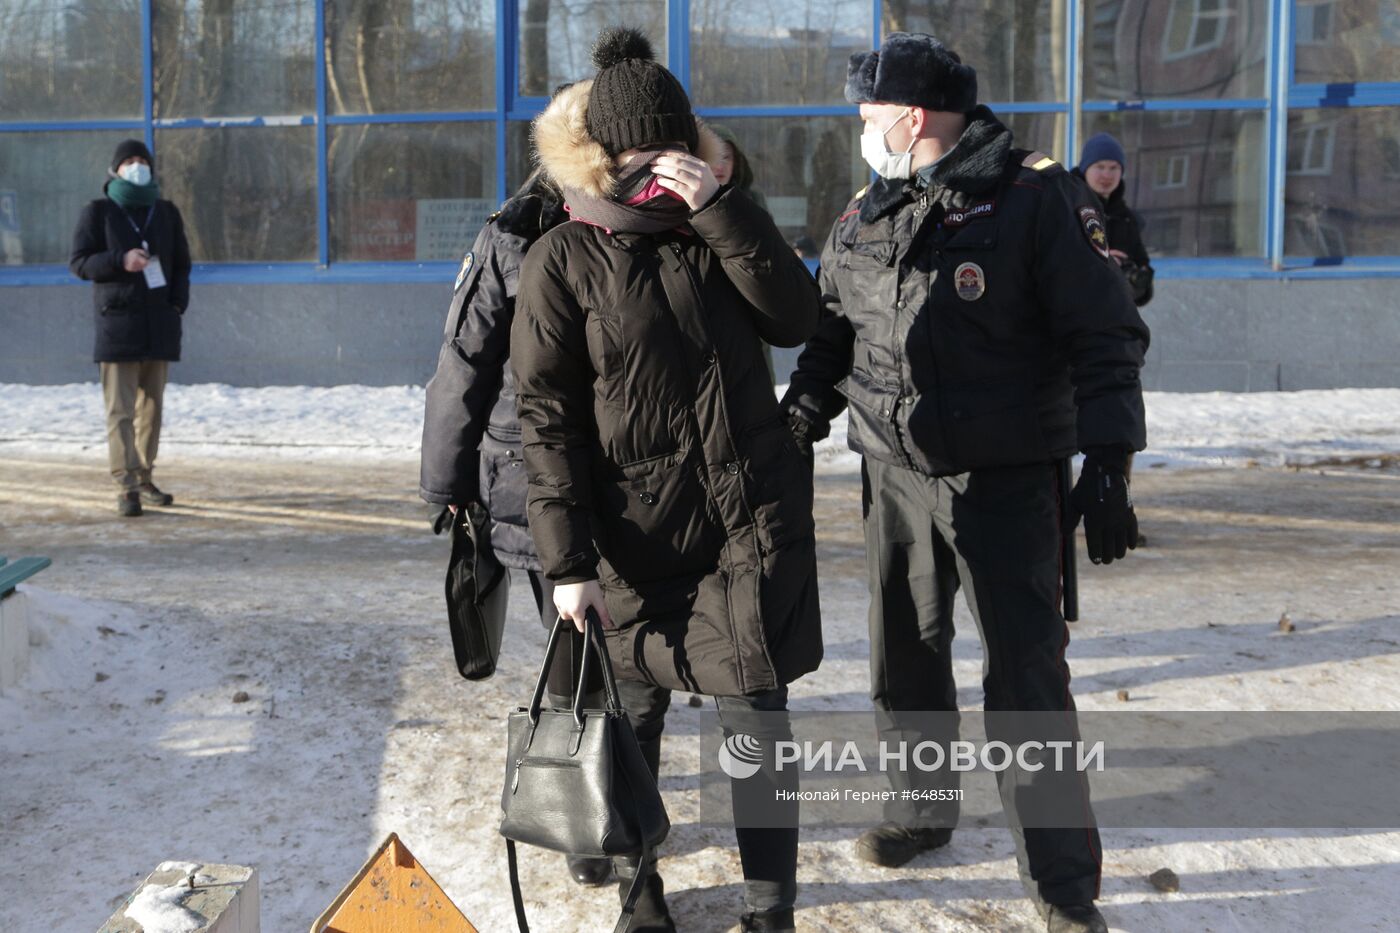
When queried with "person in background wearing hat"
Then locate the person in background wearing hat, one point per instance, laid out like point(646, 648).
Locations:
point(665, 492)
point(978, 332)
point(131, 245)
point(1101, 165)
point(733, 168)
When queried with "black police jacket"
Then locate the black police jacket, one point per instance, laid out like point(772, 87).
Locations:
point(976, 322)
point(471, 435)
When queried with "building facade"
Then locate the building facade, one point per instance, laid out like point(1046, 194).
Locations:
point(334, 158)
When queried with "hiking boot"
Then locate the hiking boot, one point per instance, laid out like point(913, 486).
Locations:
point(129, 504)
point(150, 493)
point(589, 872)
point(651, 914)
point(890, 845)
point(778, 921)
point(1075, 918)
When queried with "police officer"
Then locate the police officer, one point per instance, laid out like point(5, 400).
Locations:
point(978, 332)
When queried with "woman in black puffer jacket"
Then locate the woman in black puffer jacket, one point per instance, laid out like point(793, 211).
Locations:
point(666, 492)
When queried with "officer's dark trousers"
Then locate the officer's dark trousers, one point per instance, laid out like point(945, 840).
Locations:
point(996, 535)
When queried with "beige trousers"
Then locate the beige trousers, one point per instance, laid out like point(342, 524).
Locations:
point(133, 393)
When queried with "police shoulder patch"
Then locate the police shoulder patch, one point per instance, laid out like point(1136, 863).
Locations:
point(464, 271)
point(1091, 222)
point(1038, 162)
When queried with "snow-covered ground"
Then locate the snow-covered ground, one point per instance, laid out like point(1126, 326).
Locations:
point(259, 675)
point(362, 422)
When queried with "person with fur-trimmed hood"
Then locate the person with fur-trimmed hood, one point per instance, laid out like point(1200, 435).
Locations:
point(665, 491)
point(978, 334)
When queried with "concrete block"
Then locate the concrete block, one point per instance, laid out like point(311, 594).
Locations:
point(1296, 376)
point(14, 640)
point(223, 899)
point(1199, 321)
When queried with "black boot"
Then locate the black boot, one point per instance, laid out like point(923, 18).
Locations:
point(651, 914)
point(589, 872)
point(151, 493)
point(129, 504)
point(1075, 918)
point(778, 921)
point(890, 845)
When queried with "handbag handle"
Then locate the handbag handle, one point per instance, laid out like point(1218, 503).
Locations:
point(593, 643)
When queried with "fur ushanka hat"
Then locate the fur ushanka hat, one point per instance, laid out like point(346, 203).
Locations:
point(913, 69)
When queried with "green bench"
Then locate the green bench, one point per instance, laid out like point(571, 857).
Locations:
point(13, 574)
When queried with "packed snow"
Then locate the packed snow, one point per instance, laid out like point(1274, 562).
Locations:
point(363, 422)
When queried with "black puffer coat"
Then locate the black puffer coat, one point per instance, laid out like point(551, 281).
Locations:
point(1125, 234)
point(471, 435)
point(977, 322)
point(133, 321)
point(659, 460)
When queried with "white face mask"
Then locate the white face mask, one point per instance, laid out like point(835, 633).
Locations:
point(138, 173)
point(886, 164)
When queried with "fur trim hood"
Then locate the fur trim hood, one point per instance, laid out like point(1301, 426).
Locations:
point(575, 161)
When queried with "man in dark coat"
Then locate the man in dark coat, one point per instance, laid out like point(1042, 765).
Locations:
point(471, 434)
point(666, 492)
point(977, 332)
point(131, 245)
point(1102, 164)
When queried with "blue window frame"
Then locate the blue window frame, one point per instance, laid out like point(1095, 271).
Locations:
point(1249, 228)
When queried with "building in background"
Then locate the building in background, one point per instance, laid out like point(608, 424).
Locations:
point(341, 154)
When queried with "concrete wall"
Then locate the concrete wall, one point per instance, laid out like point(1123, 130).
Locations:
point(1229, 335)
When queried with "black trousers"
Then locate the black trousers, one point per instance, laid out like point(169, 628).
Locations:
point(994, 534)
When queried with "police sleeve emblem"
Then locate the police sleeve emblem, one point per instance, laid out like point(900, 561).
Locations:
point(464, 271)
point(1092, 223)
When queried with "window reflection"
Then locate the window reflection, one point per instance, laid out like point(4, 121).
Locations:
point(1197, 183)
point(1136, 49)
point(70, 61)
point(1346, 40)
point(410, 192)
point(1343, 182)
point(45, 179)
point(743, 53)
point(218, 59)
point(248, 194)
point(556, 37)
point(1017, 46)
point(406, 56)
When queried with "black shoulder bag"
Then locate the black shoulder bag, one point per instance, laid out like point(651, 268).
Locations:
point(576, 781)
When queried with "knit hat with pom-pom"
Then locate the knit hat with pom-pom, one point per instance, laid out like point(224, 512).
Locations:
point(634, 101)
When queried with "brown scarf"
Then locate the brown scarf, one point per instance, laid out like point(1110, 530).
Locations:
point(640, 204)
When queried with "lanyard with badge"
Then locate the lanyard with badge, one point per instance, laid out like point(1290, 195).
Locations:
point(155, 275)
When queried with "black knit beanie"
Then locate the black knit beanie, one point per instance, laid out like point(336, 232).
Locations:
point(634, 101)
point(132, 147)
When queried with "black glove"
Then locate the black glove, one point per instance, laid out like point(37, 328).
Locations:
point(1104, 501)
point(804, 432)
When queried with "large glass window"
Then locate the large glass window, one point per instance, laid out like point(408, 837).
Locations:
point(247, 194)
point(1194, 176)
point(745, 53)
point(410, 191)
point(1343, 182)
point(805, 169)
point(404, 56)
point(556, 37)
point(1044, 132)
point(1202, 49)
point(1017, 46)
point(215, 58)
point(70, 61)
point(45, 179)
point(1346, 40)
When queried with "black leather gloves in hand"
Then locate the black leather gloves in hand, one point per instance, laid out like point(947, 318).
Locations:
point(804, 432)
point(1102, 498)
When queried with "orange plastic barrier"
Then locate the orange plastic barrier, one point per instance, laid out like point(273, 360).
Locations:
point(392, 893)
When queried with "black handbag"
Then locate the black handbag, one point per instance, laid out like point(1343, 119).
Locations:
point(576, 781)
point(477, 590)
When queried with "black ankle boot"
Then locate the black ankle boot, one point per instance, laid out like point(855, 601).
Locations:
point(651, 914)
point(589, 872)
point(777, 921)
point(890, 845)
point(1075, 918)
